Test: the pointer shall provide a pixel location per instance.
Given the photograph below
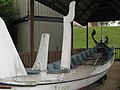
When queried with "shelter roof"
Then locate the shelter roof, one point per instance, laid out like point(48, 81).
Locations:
point(88, 10)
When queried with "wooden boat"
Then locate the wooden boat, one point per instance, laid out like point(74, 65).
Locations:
point(69, 73)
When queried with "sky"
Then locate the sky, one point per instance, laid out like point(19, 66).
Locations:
point(114, 24)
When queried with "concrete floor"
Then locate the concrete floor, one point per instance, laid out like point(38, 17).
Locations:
point(112, 82)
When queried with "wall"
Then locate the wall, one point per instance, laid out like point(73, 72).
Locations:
point(23, 42)
point(46, 21)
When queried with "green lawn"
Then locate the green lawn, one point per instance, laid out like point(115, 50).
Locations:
point(113, 34)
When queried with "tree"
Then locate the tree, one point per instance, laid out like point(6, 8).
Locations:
point(105, 23)
point(119, 23)
point(93, 24)
point(8, 13)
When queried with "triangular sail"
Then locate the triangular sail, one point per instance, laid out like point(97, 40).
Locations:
point(42, 56)
point(66, 47)
point(10, 62)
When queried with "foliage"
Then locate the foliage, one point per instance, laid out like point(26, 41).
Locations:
point(94, 24)
point(119, 23)
point(80, 36)
point(7, 10)
point(8, 13)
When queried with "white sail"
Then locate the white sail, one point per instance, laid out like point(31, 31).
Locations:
point(10, 62)
point(66, 47)
point(42, 56)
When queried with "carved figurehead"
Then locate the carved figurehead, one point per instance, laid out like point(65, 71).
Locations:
point(96, 42)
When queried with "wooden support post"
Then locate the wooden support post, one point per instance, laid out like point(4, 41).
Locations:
point(32, 29)
point(87, 36)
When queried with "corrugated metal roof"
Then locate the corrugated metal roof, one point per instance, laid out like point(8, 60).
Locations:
point(88, 10)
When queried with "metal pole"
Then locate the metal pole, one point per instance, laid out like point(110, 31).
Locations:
point(87, 36)
point(32, 29)
point(102, 32)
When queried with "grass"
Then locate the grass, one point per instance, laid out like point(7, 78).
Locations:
point(113, 34)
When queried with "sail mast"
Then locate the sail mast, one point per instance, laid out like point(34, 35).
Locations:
point(102, 40)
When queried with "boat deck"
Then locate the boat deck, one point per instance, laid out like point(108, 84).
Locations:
point(98, 59)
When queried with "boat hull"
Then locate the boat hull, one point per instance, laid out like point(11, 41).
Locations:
point(73, 84)
point(70, 85)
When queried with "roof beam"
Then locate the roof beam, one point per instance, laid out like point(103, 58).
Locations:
point(52, 5)
point(87, 10)
point(116, 8)
point(63, 6)
point(91, 4)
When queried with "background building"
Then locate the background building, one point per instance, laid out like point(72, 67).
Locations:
point(46, 21)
